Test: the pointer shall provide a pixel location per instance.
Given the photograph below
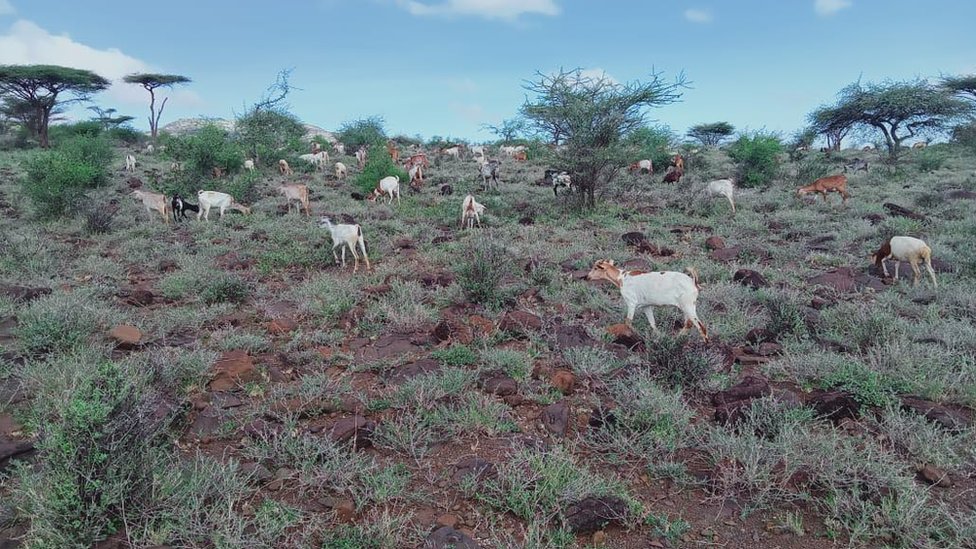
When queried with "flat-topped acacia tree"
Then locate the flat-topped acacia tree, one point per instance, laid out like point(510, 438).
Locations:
point(40, 89)
point(152, 82)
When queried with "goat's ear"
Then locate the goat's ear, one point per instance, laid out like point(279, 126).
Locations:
point(610, 262)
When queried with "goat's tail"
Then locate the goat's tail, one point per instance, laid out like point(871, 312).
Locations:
point(693, 272)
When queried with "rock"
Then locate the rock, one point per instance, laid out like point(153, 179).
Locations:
point(732, 413)
point(555, 418)
point(447, 520)
point(475, 469)
point(22, 293)
point(500, 385)
point(625, 335)
point(751, 386)
point(769, 349)
point(450, 328)
point(404, 243)
point(233, 369)
point(936, 413)
point(750, 278)
point(377, 290)
point(594, 513)
point(14, 449)
point(282, 325)
point(355, 428)
point(125, 336)
point(481, 326)
point(840, 279)
point(835, 405)
point(896, 210)
point(818, 303)
point(599, 538)
point(725, 254)
point(421, 367)
point(935, 476)
point(134, 183)
point(257, 473)
point(447, 537)
point(873, 218)
point(571, 335)
point(519, 322)
point(820, 243)
point(526, 220)
point(601, 418)
point(714, 243)
point(635, 239)
point(960, 194)
point(205, 423)
point(563, 381)
point(167, 265)
point(389, 346)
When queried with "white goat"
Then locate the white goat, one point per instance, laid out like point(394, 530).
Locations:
point(341, 171)
point(346, 236)
point(295, 193)
point(339, 148)
point(642, 290)
point(721, 187)
point(150, 149)
point(154, 202)
point(471, 212)
point(223, 201)
point(905, 248)
point(361, 157)
point(389, 185)
point(130, 163)
point(478, 150)
point(561, 179)
point(249, 165)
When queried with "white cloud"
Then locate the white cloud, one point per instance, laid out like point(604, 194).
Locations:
point(6, 8)
point(596, 73)
point(25, 43)
point(489, 9)
point(830, 7)
point(698, 16)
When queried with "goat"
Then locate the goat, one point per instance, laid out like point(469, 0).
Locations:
point(341, 171)
point(454, 152)
point(722, 187)
point(856, 165)
point(831, 183)
point(478, 150)
point(339, 148)
point(560, 179)
point(249, 165)
point(417, 159)
point(284, 168)
point(153, 202)
point(642, 290)
point(520, 156)
point(673, 176)
point(150, 149)
point(361, 157)
point(388, 185)
point(181, 206)
point(678, 162)
point(641, 166)
point(919, 145)
point(447, 190)
point(316, 147)
point(217, 172)
point(346, 236)
point(391, 148)
point(130, 163)
point(223, 201)
point(176, 166)
point(295, 193)
point(905, 248)
point(471, 212)
point(489, 174)
point(416, 176)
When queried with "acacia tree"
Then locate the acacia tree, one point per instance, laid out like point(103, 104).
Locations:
point(899, 110)
point(38, 88)
point(963, 86)
point(107, 117)
point(509, 130)
point(151, 82)
point(833, 122)
point(711, 134)
point(593, 117)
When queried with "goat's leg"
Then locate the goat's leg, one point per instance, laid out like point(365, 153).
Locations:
point(884, 268)
point(334, 254)
point(649, 313)
point(916, 272)
point(732, 203)
point(355, 257)
point(222, 209)
point(897, 265)
point(362, 246)
point(343, 256)
point(928, 267)
point(631, 309)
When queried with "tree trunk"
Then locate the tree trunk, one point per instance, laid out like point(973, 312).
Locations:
point(152, 115)
point(42, 121)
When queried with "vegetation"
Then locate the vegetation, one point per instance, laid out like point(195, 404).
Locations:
point(57, 180)
point(152, 82)
point(365, 132)
point(711, 134)
point(757, 158)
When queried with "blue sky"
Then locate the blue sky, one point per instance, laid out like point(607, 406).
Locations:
point(445, 67)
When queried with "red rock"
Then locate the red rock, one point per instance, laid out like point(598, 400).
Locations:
point(725, 254)
point(355, 428)
point(750, 278)
point(563, 380)
point(935, 476)
point(126, 336)
point(714, 243)
point(233, 369)
point(625, 335)
point(555, 418)
point(481, 326)
point(519, 322)
point(447, 520)
point(500, 385)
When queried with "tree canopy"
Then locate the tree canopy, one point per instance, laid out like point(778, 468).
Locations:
point(39, 88)
point(963, 86)
point(711, 134)
point(592, 116)
point(151, 82)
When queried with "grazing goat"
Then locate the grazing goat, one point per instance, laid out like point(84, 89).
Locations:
point(389, 185)
point(249, 165)
point(176, 166)
point(339, 148)
point(721, 187)
point(447, 190)
point(341, 171)
point(520, 156)
point(642, 166)
point(223, 201)
point(284, 168)
point(361, 156)
point(471, 212)
point(678, 162)
point(295, 193)
point(856, 165)
point(416, 176)
point(391, 148)
point(478, 150)
point(673, 176)
point(153, 202)
point(417, 159)
point(180, 207)
point(905, 248)
point(150, 149)
point(920, 145)
point(347, 236)
point(316, 147)
point(130, 163)
point(217, 172)
point(642, 290)
point(454, 152)
point(831, 183)
point(560, 179)
point(489, 174)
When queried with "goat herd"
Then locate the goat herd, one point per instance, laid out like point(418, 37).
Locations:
point(640, 290)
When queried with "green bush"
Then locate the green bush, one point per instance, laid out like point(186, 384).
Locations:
point(365, 131)
point(481, 270)
point(126, 134)
point(757, 158)
point(654, 143)
point(225, 288)
point(812, 168)
point(56, 323)
point(270, 134)
point(63, 132)
point(379, 165)
point(204, 150)
point(965, 135)
point(931, 159)
point(56, 180)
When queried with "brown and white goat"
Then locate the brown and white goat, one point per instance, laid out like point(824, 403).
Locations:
point(295, 193)
point(641, 291)
point(471, 212)
point(830, 184)
point(284, 168)
point(389, 185)
point(223, 201)
point(154, 202)
point(905, 248)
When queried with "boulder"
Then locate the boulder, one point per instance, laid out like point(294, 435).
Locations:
point(555, 418)
point(751, 386)
point(563, 381)
point(125, 336)
point(355, 428)
point(835, 405)
point(233, 369)
point(447, 537)
point(714, 243)
point(748, 277)
point(500, 385)
point(625, 335)
point(22, 293)
point(519, 322)
point(594, 513)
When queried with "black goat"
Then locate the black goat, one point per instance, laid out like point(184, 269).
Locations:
point(181, 206)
